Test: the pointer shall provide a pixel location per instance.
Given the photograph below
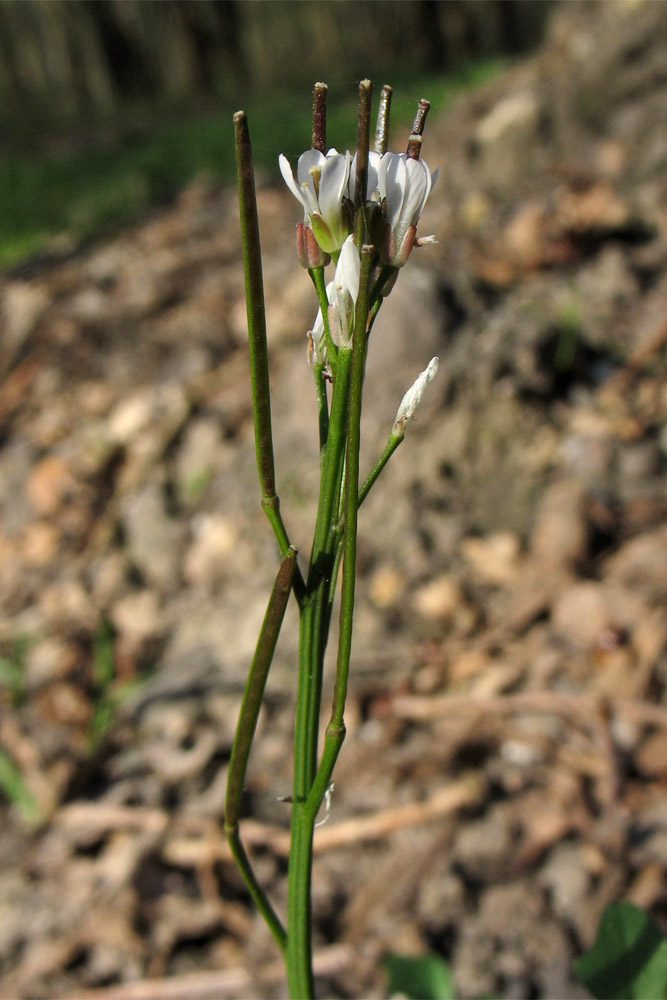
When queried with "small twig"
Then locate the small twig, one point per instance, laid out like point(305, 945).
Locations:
point(466, 791)
point(228, 983)
point(583, 706)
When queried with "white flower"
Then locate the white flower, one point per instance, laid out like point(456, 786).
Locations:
point(413, 397)
point(404, 185)
point(344, 293)
point(322, 189)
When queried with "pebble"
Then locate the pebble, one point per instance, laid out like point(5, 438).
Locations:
point(386, 586)
point(566, 877)
point(22, 304)
point(48, 661)
point(579, 615)
point(130, 416)
point(154, 540)
point(560, 534)
point(40, 543)
point(482, 848)
point(67, 606)
point(137, 617)
point(196, 458)
point(438, 600)
point(494, 559)
point(207, 558)
point(651, 757)
point(49, 485)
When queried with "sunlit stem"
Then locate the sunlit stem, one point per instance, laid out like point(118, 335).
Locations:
point(317, 276)
point(245, 731)
point(335, 732)
point(259, 365)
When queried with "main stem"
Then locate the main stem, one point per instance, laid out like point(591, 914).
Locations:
point(312, 644)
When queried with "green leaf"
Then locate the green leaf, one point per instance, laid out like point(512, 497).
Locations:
point(420, 977)
point(629, 957)
point(15, 790)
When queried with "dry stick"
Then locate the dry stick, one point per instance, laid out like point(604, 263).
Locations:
point(424, 707)
point(217, 984)
point(465, 791)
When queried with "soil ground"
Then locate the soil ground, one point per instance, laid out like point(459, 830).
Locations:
point(505, 768)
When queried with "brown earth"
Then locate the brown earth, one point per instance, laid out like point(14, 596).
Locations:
point(505, 769)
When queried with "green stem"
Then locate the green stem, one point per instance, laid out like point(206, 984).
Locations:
point(257, 343)
point(257, 894)
point(322, 409)
point(335, 732)
point(390, 447)
point(342, 446)
point(369, 481)
point(312, 643)
point(245, 731)
point(317, 275)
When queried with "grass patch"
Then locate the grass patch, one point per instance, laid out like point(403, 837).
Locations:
point(85, 191)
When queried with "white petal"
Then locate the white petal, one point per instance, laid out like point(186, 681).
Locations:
point(333, 183)
point(288, 177)
point(392, 182)
point(418, 187)
point(338, 325)
point(311, 158)
point(373, 167)
point(348, 269)
point(310, 161)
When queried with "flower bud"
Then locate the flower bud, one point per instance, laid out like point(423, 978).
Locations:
point(308, 249)
point(394, 254)
point(413, 397)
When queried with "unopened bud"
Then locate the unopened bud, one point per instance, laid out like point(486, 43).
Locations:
point(308, 250)
point(413, 397)
point(395, 255)
point(317, 349)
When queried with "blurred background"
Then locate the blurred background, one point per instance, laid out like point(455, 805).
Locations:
point(107, 108)
point(504, 773)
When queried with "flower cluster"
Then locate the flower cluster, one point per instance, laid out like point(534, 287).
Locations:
point(340, 215)
point(397, 183)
